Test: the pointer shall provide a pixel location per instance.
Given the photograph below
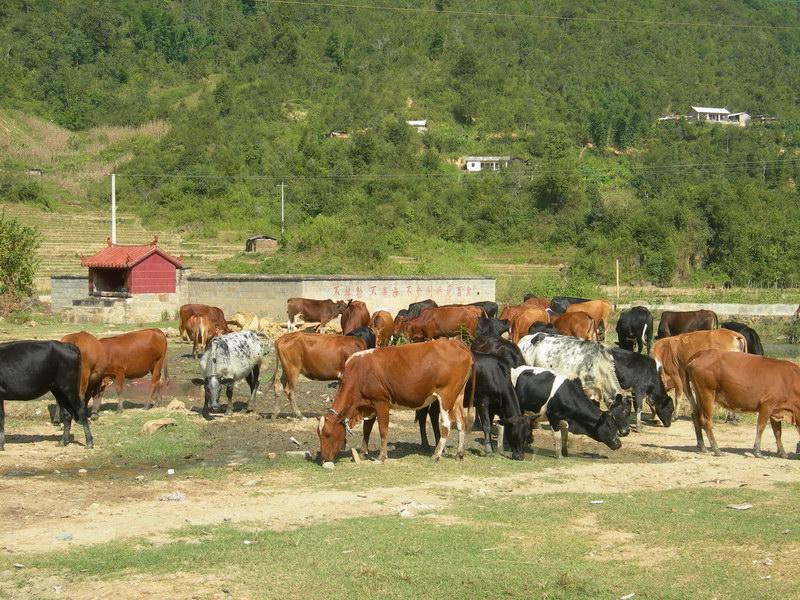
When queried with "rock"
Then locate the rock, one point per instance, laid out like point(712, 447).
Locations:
point(152, 426)
point(294, 441)
point(31, 323)
point(176, 405)
point(596, 501)
point(170, 471)
point(82, 471)
point(250, 483)
point(304, 454)
point(140, 478)
point(272, 455)
point(18, 566)
point(170, 332)
point(173, 497)
point(627, 597)
point(64, 537)
point(248, 542)
point(328, 465)
point(740, 506)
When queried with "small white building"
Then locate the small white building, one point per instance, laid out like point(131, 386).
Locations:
point(740, 118)
point(474, 164)
point(705, 113)
point(420, 125)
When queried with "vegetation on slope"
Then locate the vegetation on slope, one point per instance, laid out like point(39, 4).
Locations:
point(251, 90)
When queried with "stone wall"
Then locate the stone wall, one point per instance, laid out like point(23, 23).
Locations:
point(66, 288)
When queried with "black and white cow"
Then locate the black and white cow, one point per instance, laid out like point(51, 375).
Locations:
point(494, 395)
point(751, 335)
point(29, 369)
point(229, 358)
point(639, 374)
point(635, 327)
point(564, 404)
point(587, 361)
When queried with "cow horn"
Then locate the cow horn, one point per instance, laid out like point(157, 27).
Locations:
point(321, 424)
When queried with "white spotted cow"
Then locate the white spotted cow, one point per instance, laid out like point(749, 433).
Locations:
point(230, 358)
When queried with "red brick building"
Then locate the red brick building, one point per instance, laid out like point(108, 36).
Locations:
point(126, 270)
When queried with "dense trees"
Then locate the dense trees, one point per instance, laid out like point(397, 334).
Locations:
point(252, 90)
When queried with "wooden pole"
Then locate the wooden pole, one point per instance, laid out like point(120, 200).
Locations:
point(617, 280)
point(113, 208)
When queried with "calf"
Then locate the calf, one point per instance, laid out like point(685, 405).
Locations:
point(214, 314)
point(599, 310)
point(635, 327)
point(383, 326)
point(563, 403)
point(639, 374)
point(313, 311)
point(230, 358)
point(354, 315)
point(201, 330)
point(93, 365)
point(30, 369)
point(494, 395)
point(750, 335)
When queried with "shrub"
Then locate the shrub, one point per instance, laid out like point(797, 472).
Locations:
point(18, 260)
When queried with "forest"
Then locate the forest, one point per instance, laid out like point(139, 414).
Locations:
point(251, 91)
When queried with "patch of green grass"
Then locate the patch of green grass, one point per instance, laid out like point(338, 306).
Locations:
point(677, 544)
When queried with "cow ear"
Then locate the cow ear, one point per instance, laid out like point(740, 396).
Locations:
point(198, 381)
point(321, 424)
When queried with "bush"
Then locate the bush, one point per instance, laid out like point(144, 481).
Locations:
point(18, 260)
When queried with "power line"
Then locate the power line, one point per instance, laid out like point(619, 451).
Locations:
point(551, 18)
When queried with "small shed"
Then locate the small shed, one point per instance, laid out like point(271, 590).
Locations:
point(126, 270)
point(475, 164)
point(421, 125)
point(260, 243)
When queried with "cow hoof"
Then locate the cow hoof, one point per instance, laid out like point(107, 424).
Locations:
point(435, 458)
point(90, 446)
point(756, 453)
point(720, 453)
point(783, 455)
point(94, 416)
point(488, 450)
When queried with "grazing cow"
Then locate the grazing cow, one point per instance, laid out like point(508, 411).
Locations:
point(230, 358)
point(493, 394)
point(509, 312)
point(411, 376)
point(354, 315)
point(315, 355)
point(564, 404)
point(673, 353)
point(491, 327)
point(559, 304)
point(575, 359)
point(489, 307)
point(366, 334)
point(383, 326)
point(93, 365)
point(443, 321)
point(599, 310)
point(639, 374)
point(214, 314)
point(577, 324)
point(635, 327)
point(751, 335)
point(675, 322)
point(312, 311)
point(416, 308)
point(523, 320)
point(201, 330)
point(135, 354)
point(743, 382)
point(30, 369)
point(535, 302)
point(507, 351)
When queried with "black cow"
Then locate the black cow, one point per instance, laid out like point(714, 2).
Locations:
point(489, 307)
point(491, 327)
point(507, 351)
point(559, 304)
point(639, 374)
point(365, 333)
point(421, 416)
point(415, 308)
point(635, 327)
point(567, 408)
point(30, 369)
point(673, 322)
point(753, 341)
point(542, 327)
point(494, 395)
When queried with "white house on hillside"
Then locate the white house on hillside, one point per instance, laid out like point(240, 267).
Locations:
point(474, 164)
point(704, 113)
point(420, 125)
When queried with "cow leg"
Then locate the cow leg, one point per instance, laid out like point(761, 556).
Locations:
point(421, 416)
point(119, 382)
point(482, 411)
point(457, 415)
point(252, 381)
point(382, 416)
point(288, 382)
point(564, 427)
point(777, 427)
point(368, 425)
point(433, 413)
point(444, 419)
point(707, 423)
point(763, 417)
point(2, 425)
point(229, 394)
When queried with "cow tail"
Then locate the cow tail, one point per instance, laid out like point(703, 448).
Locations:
point(472, 380)
point(165, 372)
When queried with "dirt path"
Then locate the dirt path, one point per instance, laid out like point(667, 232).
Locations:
point(39, 512)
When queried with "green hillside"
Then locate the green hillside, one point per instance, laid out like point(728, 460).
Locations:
point(219, 101)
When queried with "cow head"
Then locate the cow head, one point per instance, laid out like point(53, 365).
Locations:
point(620, 413)
point(340, 305)
point(212, 386)
point(519, 433)
point(331, 429)
point(662, 402)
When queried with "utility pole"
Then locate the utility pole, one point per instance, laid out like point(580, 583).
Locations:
point(113, 208)
point(282, 206)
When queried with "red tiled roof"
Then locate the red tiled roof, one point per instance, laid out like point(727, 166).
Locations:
point(124, 257)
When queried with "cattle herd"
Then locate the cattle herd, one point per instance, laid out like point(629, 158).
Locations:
point(543, 360)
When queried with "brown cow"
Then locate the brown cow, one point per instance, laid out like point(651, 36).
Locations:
point(445, 321)
point(575, 323)
point(317, 356)
point(672, 354)
point(674, 322)
point(535, 302)
point(745, 382)
point(215, 315)
point(522, 321)
point(354, 315)
point(93, 365)
point(599, 310)
point(511, 311)
point(411, 376)
point(135, 354)
point(313, 311)
point(201, 330)
point(383, 326)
